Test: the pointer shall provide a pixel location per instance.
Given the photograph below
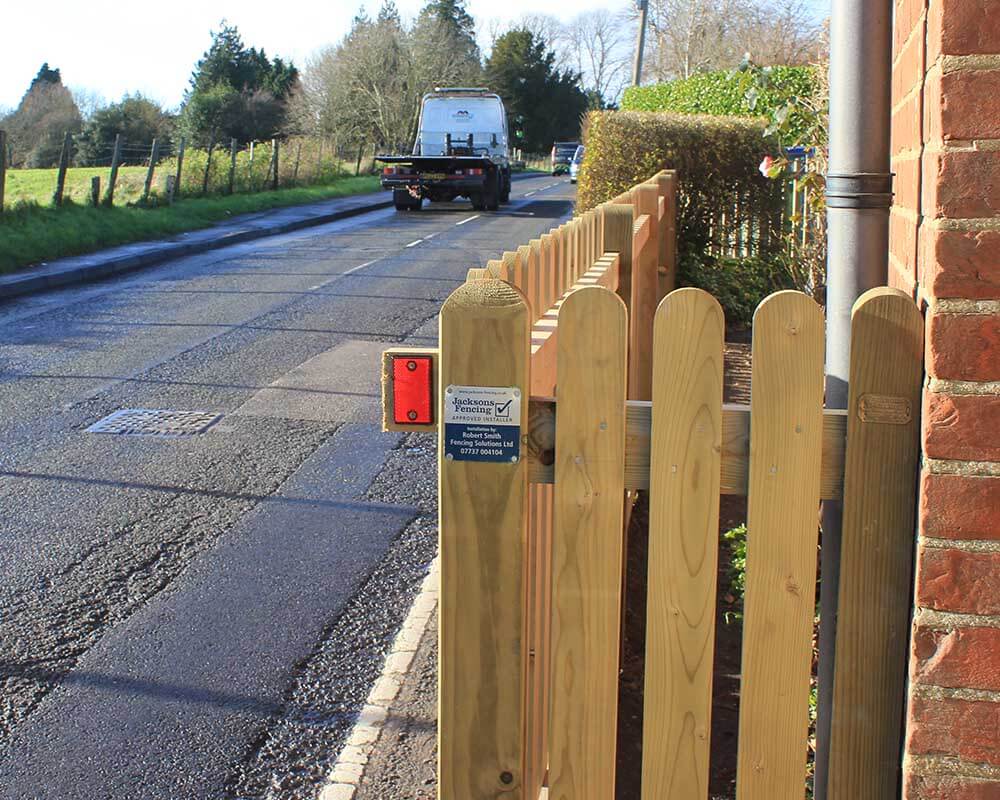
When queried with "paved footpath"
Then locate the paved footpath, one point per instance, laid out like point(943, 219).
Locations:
point(203, 616)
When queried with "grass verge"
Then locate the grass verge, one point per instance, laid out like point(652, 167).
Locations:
point(30, 234)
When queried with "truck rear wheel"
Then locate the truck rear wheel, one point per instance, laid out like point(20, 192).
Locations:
point(491, 197)
point(404, 201)
point(505, 188)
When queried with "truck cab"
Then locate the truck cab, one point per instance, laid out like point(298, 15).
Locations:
point(461, 150)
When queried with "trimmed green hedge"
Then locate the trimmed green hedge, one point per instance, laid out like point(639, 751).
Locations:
point(722, 93)
point(717, 159)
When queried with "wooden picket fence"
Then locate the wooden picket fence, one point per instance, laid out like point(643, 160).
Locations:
point(626, 395)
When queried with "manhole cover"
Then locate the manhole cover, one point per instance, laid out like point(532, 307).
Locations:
point(155, 422)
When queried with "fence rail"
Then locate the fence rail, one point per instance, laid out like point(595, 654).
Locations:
point(623, 381)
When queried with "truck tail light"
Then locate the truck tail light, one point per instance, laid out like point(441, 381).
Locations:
point(412, 390)
point(389, 170)
point(473, 172)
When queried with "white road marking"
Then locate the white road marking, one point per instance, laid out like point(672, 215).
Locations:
point(431, 235)
point(359, 266)
point(468, 219)
point(529, 194)
point(414, 244)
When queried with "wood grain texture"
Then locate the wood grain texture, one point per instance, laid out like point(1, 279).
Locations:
point(887, 337)
point(617, 236)
point(685, 472)
point(587, 546)
point(786, 434)
point(485, 335)
point(548, 269)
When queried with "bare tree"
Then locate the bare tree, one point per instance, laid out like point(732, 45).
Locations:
point(598, 45)
point(689, 36)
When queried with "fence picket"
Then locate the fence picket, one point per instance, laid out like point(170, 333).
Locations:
point(786, 423)
point(683, 535)
point(547, 266)
point(481, 728)
point(876, 559)
point(587, 546)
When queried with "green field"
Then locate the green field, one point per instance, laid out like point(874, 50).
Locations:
point(38, 185)
point(30, 234)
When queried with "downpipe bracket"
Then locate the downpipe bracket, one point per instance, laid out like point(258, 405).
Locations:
point(859, 189)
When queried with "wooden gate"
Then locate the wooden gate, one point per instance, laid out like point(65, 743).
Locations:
point(627, 396)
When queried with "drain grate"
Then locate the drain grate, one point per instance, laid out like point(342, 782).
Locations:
point(155, 422)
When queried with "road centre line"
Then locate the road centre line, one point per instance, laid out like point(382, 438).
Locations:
point(415, 243)
point(468, 219)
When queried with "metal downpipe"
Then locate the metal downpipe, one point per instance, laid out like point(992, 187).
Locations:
point(859, 193)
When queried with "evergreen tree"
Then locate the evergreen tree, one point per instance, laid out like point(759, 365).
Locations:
point(138, 120)
point(237, 91)
point(545, 103)
point(444, 46)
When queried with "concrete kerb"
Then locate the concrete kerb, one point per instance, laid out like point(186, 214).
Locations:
point(349, 769)
point(97, 266)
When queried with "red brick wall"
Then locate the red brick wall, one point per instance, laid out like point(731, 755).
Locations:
point(945, 250)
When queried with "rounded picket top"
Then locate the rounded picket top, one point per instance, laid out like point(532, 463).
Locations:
point(689, 304)
point(895, 313)
point(792, 310)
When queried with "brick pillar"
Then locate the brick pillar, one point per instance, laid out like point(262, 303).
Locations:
point(945, 243)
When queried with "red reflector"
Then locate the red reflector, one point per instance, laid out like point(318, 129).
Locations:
point(412, 390)
point(388, 170)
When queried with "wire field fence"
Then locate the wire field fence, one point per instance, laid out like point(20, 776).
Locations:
point(165, 171)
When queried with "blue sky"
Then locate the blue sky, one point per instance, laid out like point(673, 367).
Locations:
point(111, 48)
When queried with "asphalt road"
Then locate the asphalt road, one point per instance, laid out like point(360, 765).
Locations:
point(201, 616)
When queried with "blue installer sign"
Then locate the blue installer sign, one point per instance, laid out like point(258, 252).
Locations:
point(482, 423)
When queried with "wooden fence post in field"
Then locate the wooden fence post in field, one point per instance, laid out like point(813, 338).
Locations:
point(231, 184)
point(67, 145)
point(171, 189)
point(154, 154)
point(116, 157)
point(786, 427)
point(95, 191)
point(3, 166)
point(483, 520)
point(180, 163)
point(587, 544)
point(208, 164)
point(880, 476)
point(272, 168)
point(684, 476)
point(295, 170)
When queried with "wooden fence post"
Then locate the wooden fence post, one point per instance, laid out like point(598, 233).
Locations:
point(587, 544)
point(786, 440)
point(95, 191)
point(116, 157)
point(272, 168)
point(180, 163)
point(684, 481)
point(232, 165)
point(483, 521)
point(154, 154)
point(67, 145)
point(295, 170)
point(3, 167)
point(208, 165)
point(880, 479)
point(645, 294)
point(617, 237)
point(250, 166)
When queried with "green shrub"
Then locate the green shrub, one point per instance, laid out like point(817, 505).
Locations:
point(739, 284)
point(725, 93)
point(716, 158)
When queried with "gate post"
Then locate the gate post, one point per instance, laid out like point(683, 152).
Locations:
point(485, 338)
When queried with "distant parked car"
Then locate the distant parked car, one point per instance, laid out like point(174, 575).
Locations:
point(574, 165)
point(562, 155)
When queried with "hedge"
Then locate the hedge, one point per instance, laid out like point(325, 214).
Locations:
point(722, 93)
point(717, 160)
